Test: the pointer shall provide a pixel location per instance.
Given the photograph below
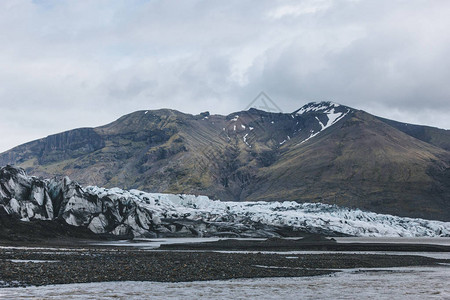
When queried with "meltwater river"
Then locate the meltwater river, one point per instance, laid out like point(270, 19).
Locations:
point(386, 283)
point(380, 283)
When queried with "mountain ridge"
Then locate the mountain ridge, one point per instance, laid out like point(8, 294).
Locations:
point(322, 152)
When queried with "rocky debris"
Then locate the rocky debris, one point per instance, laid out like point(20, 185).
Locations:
point(14, 230)
point(311, 242)
point(35, 266)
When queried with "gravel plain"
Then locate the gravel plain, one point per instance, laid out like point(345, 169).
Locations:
point(53, 263)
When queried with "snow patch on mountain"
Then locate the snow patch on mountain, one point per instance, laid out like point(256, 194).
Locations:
point(317, 107)
point(333, 113)
point(245, 140)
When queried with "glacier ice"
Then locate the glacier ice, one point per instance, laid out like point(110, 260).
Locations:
point(311, 217)
point(140, 214)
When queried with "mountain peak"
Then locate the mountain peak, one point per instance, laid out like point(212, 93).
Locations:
point(323, 107)
point(323, 152)
point(325, 113)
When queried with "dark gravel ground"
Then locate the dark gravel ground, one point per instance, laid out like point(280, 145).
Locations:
point(311, 243)
point(94, 264)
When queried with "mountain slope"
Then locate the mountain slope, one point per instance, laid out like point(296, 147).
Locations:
point(435, 136)
point(363, 162)
point(322, 152)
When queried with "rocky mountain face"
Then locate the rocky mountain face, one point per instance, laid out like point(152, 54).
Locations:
point(135, 213)
point(323, 152)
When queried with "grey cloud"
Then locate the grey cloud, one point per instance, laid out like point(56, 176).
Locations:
point(131, 88)
point(66, 64)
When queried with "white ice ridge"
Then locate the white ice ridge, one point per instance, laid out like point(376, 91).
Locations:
point(298, 215)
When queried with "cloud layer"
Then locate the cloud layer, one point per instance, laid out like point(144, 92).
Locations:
point(67, 64)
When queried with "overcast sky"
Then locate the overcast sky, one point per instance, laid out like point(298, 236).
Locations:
point(68, 64)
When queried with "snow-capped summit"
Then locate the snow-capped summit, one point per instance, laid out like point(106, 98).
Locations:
point(325, 114)
point(326, 107)
point(323, 106)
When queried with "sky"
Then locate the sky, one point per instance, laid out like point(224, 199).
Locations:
point(69, 64)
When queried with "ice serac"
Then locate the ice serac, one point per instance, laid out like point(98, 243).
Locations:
point(140, 214)
point(24, 196)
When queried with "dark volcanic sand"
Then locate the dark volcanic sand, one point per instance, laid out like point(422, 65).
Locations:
point(94, 264)
point(310, 243)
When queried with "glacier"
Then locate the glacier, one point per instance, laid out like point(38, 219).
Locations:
point(134, 213)
point(308, 217)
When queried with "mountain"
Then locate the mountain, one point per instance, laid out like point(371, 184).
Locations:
point(65, 204)
point(432, 135)
point(323, 152)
